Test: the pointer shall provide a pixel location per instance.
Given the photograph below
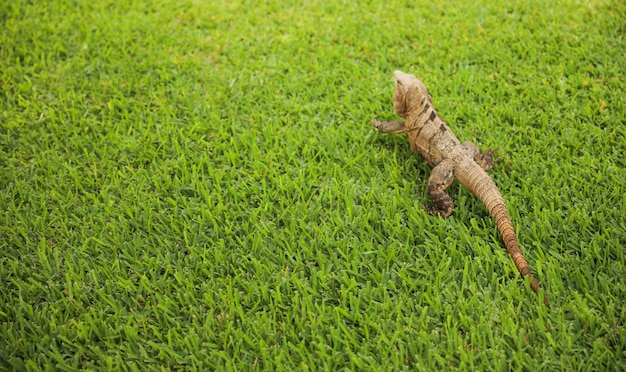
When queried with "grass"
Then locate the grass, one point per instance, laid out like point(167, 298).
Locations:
point(193, 185)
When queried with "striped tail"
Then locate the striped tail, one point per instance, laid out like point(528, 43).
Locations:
point(479, 182)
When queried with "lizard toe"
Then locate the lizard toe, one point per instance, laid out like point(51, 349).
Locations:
point(439, 212)
point(488, 156)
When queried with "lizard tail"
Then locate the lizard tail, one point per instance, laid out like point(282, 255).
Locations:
point(486, 191)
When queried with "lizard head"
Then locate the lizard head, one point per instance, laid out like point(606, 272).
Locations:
point(409, 93)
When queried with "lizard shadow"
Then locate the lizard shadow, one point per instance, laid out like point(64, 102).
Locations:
point(408, 161)
point(412, 167)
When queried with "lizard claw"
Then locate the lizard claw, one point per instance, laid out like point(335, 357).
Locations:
point(486, 161)
point(487, 156)
point(439, 212)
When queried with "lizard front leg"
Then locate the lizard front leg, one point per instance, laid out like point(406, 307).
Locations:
point(440, 179)
point(396, 126)
point(485, 160)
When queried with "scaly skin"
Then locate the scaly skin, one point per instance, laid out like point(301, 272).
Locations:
point(431, 137)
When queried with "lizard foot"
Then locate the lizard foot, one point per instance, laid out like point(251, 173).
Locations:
point(396, 126)
point(375, 123)
point(440, 179)
point(439, 212)
point(486, 160)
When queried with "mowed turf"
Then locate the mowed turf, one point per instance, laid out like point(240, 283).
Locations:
point(194, 185)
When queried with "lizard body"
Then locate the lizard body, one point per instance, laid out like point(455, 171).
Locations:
point(432, 138)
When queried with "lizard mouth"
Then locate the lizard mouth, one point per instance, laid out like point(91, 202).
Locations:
point(399, 102)
point(400, 77)
point(399, 96)
point(397, 74)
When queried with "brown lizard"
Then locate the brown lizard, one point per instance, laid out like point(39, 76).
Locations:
point(431, 137)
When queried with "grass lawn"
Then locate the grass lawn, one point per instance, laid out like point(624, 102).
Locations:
point(194, 185)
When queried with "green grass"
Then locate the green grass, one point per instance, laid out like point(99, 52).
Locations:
point(189, 184)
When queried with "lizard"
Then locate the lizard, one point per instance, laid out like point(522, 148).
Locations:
point(430, 136)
